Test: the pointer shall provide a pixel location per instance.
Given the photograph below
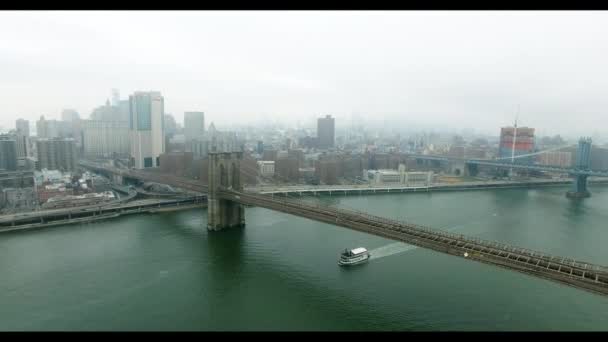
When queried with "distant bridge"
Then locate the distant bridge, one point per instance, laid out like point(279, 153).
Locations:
point(580, 172)
point(226, 208)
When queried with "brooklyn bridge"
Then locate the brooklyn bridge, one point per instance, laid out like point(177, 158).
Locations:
point(227, 201)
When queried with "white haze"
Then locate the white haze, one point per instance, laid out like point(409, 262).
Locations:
point(405, 69)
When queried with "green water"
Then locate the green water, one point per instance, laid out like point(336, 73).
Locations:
point(166, 272)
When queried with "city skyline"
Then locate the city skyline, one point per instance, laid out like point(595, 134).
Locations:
point(421, 69)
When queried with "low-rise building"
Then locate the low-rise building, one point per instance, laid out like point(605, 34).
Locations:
point(65, 201)
point(47, 191)
point(400, 177)
point(384, 177)
point(266, 168)
point(16, 179)
point(19, 198)
point(556, 158)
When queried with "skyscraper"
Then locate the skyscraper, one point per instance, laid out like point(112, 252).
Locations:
point(105, 138)
point(146, 128)
point(194, 125)
point(23, 127)
point(326, 132)
point(115, 97)
point(516, 141)
point(56, 154)
point(70, 115)
point(170, 125)
point(22, 138)
point(8, 152)
point(46, 128)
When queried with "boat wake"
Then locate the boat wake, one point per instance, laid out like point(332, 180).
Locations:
point(390, 249)
point(401, 247)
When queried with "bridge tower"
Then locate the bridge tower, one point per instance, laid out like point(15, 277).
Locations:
point(583, 163)
point(224, 173)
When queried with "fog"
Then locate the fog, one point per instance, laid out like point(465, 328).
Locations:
point(401, 69)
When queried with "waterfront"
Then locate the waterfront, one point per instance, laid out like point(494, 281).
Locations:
point(166, 272)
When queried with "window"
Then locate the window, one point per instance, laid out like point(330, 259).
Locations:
point(148, 162)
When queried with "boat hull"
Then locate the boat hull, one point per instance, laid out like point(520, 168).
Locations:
point(355, 261)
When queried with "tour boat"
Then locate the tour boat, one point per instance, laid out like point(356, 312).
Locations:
point(353, 256)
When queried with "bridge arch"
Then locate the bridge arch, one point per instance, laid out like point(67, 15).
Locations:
point(235, 181)
point(223, 176)
point(224, 173)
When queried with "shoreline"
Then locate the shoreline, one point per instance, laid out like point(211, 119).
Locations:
point(344, 191)
point(309, 192)
point(91, 219)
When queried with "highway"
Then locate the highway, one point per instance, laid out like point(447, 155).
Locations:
point(396, 188)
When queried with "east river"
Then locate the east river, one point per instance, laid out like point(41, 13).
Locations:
point(165, 271)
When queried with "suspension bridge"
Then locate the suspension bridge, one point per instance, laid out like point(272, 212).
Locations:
point(226, 201)
point(580, 172)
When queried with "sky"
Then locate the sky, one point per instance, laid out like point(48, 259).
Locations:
point(413, 69)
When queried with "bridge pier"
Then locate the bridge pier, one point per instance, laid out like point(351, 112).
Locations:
point(583, 163)
point(579, 188)
point(224, 173)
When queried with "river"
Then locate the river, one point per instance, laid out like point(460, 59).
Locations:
point(165, 271)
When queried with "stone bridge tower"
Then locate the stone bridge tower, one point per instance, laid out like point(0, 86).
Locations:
point(224, 172)
point(583, 163)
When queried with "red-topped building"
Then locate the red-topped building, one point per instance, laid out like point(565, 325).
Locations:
point(524, 142)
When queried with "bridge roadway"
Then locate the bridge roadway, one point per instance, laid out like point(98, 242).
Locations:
point(148, 176)
point(579, 274)
point(508, 165)
point(367, 189)
point(46, 216)
point(533, 167)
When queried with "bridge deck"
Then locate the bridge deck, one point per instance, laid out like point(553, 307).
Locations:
point(575, 273)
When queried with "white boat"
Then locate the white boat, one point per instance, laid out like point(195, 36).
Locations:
point(353, 256)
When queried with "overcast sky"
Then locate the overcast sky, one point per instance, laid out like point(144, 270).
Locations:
point(450, 69)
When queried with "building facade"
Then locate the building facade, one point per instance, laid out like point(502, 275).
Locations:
point(57, 154)
point(326, 132)
point(556, 158)
point(8, 152)
point(19, 198)
point(266, 168)
point(178, 164)
point(105, 138)
point(516, 141)
point(70, 115)
point(23, 127)
point(146, 129)
point(46, 128)
point(194, 125)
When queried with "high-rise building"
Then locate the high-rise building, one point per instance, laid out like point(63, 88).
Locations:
point(22, 145)
point(23, 127)
point(146, 128)
point(516, 141)
point(105, 138)
point(56, 154)
point(108, 112)
point(170, 124)
point(194, 125)
point(8, 152)
point(326, 132)
point(47, 128)
point(70, 115)
point(115, 98)
point(123, 110)
point(22, 133)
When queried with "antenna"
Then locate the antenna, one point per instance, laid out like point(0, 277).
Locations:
point(514, 139)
